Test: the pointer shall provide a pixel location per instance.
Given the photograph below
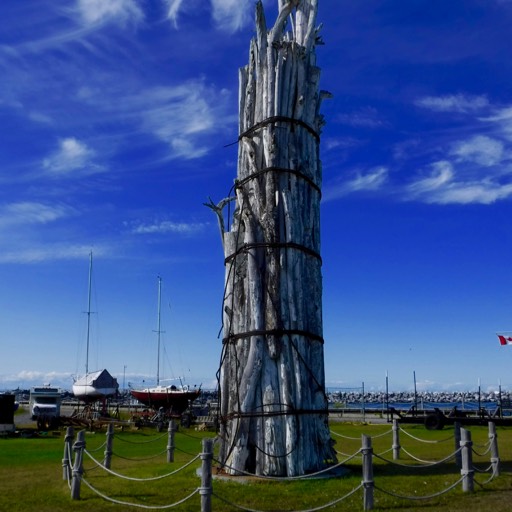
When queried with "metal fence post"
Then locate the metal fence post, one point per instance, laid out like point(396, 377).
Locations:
point(66, 461)
point(170, 441)
point(495, 457)
point(78, 468)
point(108, 446)
point(367, 452)
point(206, 488)
point(396, 440)
point(467, 470)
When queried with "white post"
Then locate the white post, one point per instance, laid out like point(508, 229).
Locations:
point(367, 452)
point(396, 440)
point(467, 470)
point(495, 458)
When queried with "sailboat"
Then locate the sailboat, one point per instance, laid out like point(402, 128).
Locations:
point(97, 385)
point(172, 398)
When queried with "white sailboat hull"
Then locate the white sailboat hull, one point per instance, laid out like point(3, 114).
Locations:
point(95, 386)
point(91, 391)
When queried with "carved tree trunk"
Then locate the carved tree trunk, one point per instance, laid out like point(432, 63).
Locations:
point(273, 405)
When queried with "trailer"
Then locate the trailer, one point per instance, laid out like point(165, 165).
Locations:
point(44, 405)
point(437, 419)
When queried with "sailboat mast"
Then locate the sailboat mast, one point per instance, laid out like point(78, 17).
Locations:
point(88, 314)
point(159, 330)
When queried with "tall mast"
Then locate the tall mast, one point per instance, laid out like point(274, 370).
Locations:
point(158, 331)
point(88, 314)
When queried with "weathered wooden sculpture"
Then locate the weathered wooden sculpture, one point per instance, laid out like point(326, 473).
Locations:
point(273, 407)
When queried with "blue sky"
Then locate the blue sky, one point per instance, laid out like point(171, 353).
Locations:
point(115, 118)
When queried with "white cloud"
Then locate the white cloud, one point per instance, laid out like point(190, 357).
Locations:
point(50, 252)
point(444, 186)
point(476, 169)
point(184, 148)
point(469, 193)
point(33, 230)
point(38, 117)
point(503, 114)
point(122, 12)
point(364, 118)
point(502, 120)
point(181, 228)
point(228, 15)
point(72, 155)
point(341, 143)
point(178, 110)
point(472, 170)
point(29, 378)
point(453, 103)
point(173, 10)
point(442, 173)
point(479, 149)
point(182, 116)
point(372, 180)
point(25, 213)
point(232, 15)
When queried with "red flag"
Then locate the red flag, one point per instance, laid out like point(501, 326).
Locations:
point(505, 340)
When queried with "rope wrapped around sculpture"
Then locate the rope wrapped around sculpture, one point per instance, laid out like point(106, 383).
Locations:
point(294, 172)
point(272, 245)
point(272, 332)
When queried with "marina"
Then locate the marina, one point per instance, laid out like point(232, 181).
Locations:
point(406, 407)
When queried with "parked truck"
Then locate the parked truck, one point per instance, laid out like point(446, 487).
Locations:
point(44, 406)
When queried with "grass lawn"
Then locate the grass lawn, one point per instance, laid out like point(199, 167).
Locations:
point(31, 474)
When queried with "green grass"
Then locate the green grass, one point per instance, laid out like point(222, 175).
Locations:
point(31, 475)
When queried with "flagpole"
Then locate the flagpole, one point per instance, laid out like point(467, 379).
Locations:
point(415, 393)
point(479, 400)
point(499, 399)
point(364, 413)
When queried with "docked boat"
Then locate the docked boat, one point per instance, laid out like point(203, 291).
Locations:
point(174, 399)
point(97, 385)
